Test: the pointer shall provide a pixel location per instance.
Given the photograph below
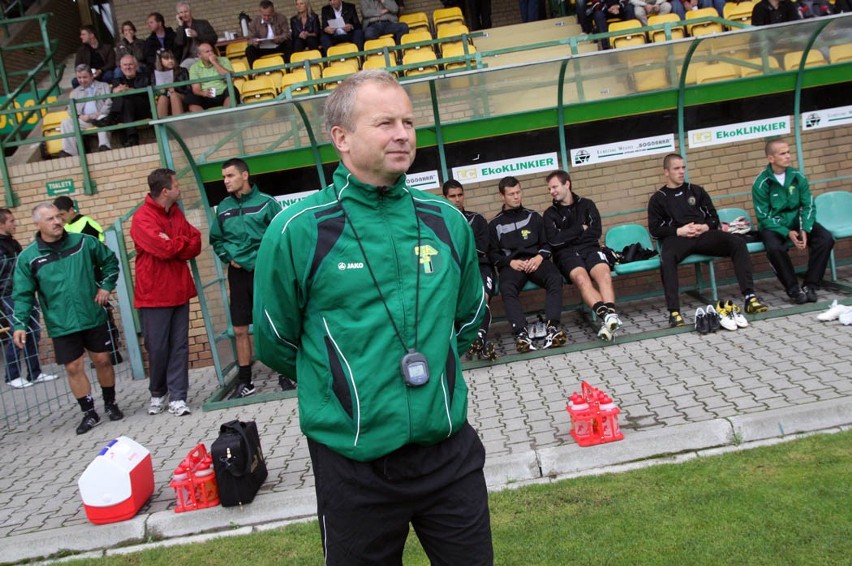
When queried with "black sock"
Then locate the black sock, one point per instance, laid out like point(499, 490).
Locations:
point(87, 404)
point(109, 395)
point(610, 307)
point(244, 374)
point(599, 308)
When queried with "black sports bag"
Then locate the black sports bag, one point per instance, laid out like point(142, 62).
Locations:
point(238, 462)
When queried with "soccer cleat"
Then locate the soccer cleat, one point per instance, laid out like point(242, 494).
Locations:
point(675, 319)
point(833, 312)
point(179, 408)
point(156, 406)
point(713, 318)
point(754, 306)
point(20, 383)
point(489, 351)
point(243, 390)
point(613, 323)
point(604, 333)
point(44, 377)
point(523, 343)
point(799, 298)
point(702, 322)
point(476, 347)
point(285, 383)
point(113, 412)
point(737, 314)
point(810, 293)
point(555, 337)
point(726, 315)
point(90, 421)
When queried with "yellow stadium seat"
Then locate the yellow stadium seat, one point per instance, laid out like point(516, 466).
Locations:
point(416, 36)
point(337, 72)
point(49, 127)
point(443, 16)
point(658, 36)
point(704, 28)
point(240, 65)
point(269, 61)
point(259, 89)
point(771, 63)
point(716, 72)
point(342, 52)
point(311, 55)
point(236, 50)
point(792, 59)
point(456, 50)
point(266, 67)
point(375, 62)
point(425, 59)
point(738, 12)
point(415, 20)
point(840, 53)
point(292, 80)
point(371, 44)
point(628, 38)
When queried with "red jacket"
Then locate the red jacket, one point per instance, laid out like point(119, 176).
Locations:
point(162, 275)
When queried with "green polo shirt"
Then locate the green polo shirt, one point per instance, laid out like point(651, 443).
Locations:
point(200, 70)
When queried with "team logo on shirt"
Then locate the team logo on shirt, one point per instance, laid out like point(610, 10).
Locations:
point(691, 201)
point(792, 189)
point(343, 266)
point(425, 254)
point(525, 234)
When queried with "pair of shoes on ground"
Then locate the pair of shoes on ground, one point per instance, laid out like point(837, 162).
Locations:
point(610, 325)
point(731, 316)
point(554, 336)
point(91, 418)
point(177, 408)
point(707, 320)
point(20, 382)
point(806, 294)
point(837, 311)
point(482, 348)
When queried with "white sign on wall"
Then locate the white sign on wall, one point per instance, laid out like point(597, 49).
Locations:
point(622, 150)
point(425, 180)
point(743, 131)
point(544, 162)
point(819, 119)
point(293, 198)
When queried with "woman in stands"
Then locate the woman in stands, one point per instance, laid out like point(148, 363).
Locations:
point(170, 99)
point(129, 44)
point(305, 27)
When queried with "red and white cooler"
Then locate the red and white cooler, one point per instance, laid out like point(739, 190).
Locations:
point(118, 482)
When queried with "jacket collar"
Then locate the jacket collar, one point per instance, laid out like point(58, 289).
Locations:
point(348, 187)
point(42, 245)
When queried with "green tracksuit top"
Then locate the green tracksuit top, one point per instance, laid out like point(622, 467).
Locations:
point(778, 208)
point(240, 223)
point(320, 319)
point(64, 278)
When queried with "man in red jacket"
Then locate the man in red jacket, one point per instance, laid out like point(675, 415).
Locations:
point(165, 241)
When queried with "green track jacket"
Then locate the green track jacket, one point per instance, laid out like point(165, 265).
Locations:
point(321, 318)
point(778, 208)
point(64, 279)
point(239, 226)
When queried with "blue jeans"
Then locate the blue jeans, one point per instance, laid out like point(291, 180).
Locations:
point(382, 27)
point(30, 352)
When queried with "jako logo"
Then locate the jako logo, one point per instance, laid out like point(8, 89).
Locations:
point(344, 266)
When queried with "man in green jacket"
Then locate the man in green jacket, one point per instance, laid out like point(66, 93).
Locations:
point(235, 234)
point(73, 275)
point(786, 214)
point(366, 294)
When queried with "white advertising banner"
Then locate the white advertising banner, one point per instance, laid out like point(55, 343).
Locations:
point(627, 149)
point(827, 118)
point(475, 173)
point(425, 180)
point(293, 198)
point(743, 131)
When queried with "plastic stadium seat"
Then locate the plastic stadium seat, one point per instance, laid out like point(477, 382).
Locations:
point(236, 50)
point(50, 126)
point(338, 72)
point(443, 16)
point(729, 214)
point(342, 52)
point(771, 65)
point(658, 36)
point(704, 28)
point(738, 12)
point(426, 60)
point(376, 62)
point(259, 89)
point(457, 50)
point(628, 38)
point(619, 237)
point(269, 61)
point(415, 20)
point(717, 72)
point(417, 36)
point(840, 53)
point(240, 65)
point(834, 212)
point(650, 77)
point(292, 80)
point(265, 67)
point(371, 44)
point(310, 55)
point(792, 59)
point(451, 30)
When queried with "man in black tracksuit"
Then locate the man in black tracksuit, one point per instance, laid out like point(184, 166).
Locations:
point(682, 217)
point(454, 192)
point(517, 248)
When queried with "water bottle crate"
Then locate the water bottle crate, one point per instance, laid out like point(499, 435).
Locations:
point(194, 481)
point(594, 417)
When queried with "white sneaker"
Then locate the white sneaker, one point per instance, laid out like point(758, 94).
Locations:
point(157, 405)
point(20, 383)
point(833, 312)
point(604, 333)
point(846, 316)
point(43, 377)
point(178, 408)
point(737, 314)
point(726, 316)
point(613, 323)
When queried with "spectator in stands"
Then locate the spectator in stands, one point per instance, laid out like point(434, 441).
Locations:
point(130, 45)
point(305, 27)
point(530, 10)
point(213, 92)
point(97, 56)
point(269, 33)
point(643, 9)
point(785, 213)
point(351, 30)
point(382, 17)
point(131, 107)
point(87, 112)
point(572, 226)
point(191, 33)
point(768, 12)
point(170, 100)
point(73, 307)
point(479, 14)
point(161, 37)
point(602, 11)
point(164, 242)
point(681, 7)
point(74, 221)
point(518, 248)
point(241, 220)
point(9, 250)
point(682, 217)
point(454, 192)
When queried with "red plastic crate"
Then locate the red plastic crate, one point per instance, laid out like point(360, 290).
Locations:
point(594, 417)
